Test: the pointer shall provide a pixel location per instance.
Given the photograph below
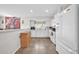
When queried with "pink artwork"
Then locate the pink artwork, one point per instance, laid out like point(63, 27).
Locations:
point(12, 23)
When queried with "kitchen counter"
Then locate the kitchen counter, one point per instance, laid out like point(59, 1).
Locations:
point(11, 30)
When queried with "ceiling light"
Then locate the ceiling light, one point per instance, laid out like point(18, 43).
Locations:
point(46, 11)
point(65, 11)
point(31, 11)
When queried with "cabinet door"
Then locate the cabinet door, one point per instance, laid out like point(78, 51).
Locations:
point(68, 29)
point(23, 41)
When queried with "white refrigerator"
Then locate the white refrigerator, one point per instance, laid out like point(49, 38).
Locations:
point(67, 30)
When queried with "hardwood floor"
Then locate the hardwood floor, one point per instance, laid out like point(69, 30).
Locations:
point(39, 46)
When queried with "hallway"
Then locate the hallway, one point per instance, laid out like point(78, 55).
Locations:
point(39, 46)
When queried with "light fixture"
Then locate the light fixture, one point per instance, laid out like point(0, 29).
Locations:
point(31, 11)
point(65, 11)
point(46, 11)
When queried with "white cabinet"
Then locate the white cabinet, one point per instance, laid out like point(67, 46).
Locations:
point(52, 36)
point(39, 33)
point(41, 28)
point(66, 31)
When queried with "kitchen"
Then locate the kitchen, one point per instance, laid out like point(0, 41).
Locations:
point(52, 22)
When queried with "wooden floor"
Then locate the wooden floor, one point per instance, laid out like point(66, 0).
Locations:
point(39, 46)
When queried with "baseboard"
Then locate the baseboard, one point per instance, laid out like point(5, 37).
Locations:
point(40, 37)
point(57, 52)
point(16, 50)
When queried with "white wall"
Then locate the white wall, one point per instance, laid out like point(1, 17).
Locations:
point(2, 22)
point(10, 41)
point(66, 34)
point(26, 24)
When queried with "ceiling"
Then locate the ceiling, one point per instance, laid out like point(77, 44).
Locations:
point(31, 10)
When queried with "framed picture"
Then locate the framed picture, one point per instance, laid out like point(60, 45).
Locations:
point(12, 23)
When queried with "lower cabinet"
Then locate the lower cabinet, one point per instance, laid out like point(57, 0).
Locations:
point(25, 39)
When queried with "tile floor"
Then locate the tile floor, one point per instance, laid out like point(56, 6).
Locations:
point(39, 46)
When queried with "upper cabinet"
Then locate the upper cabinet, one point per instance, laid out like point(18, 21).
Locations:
point(39, 24)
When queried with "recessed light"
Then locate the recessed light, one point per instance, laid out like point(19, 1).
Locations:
point(31, 11)
point(46, 11)
point(65, 11)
